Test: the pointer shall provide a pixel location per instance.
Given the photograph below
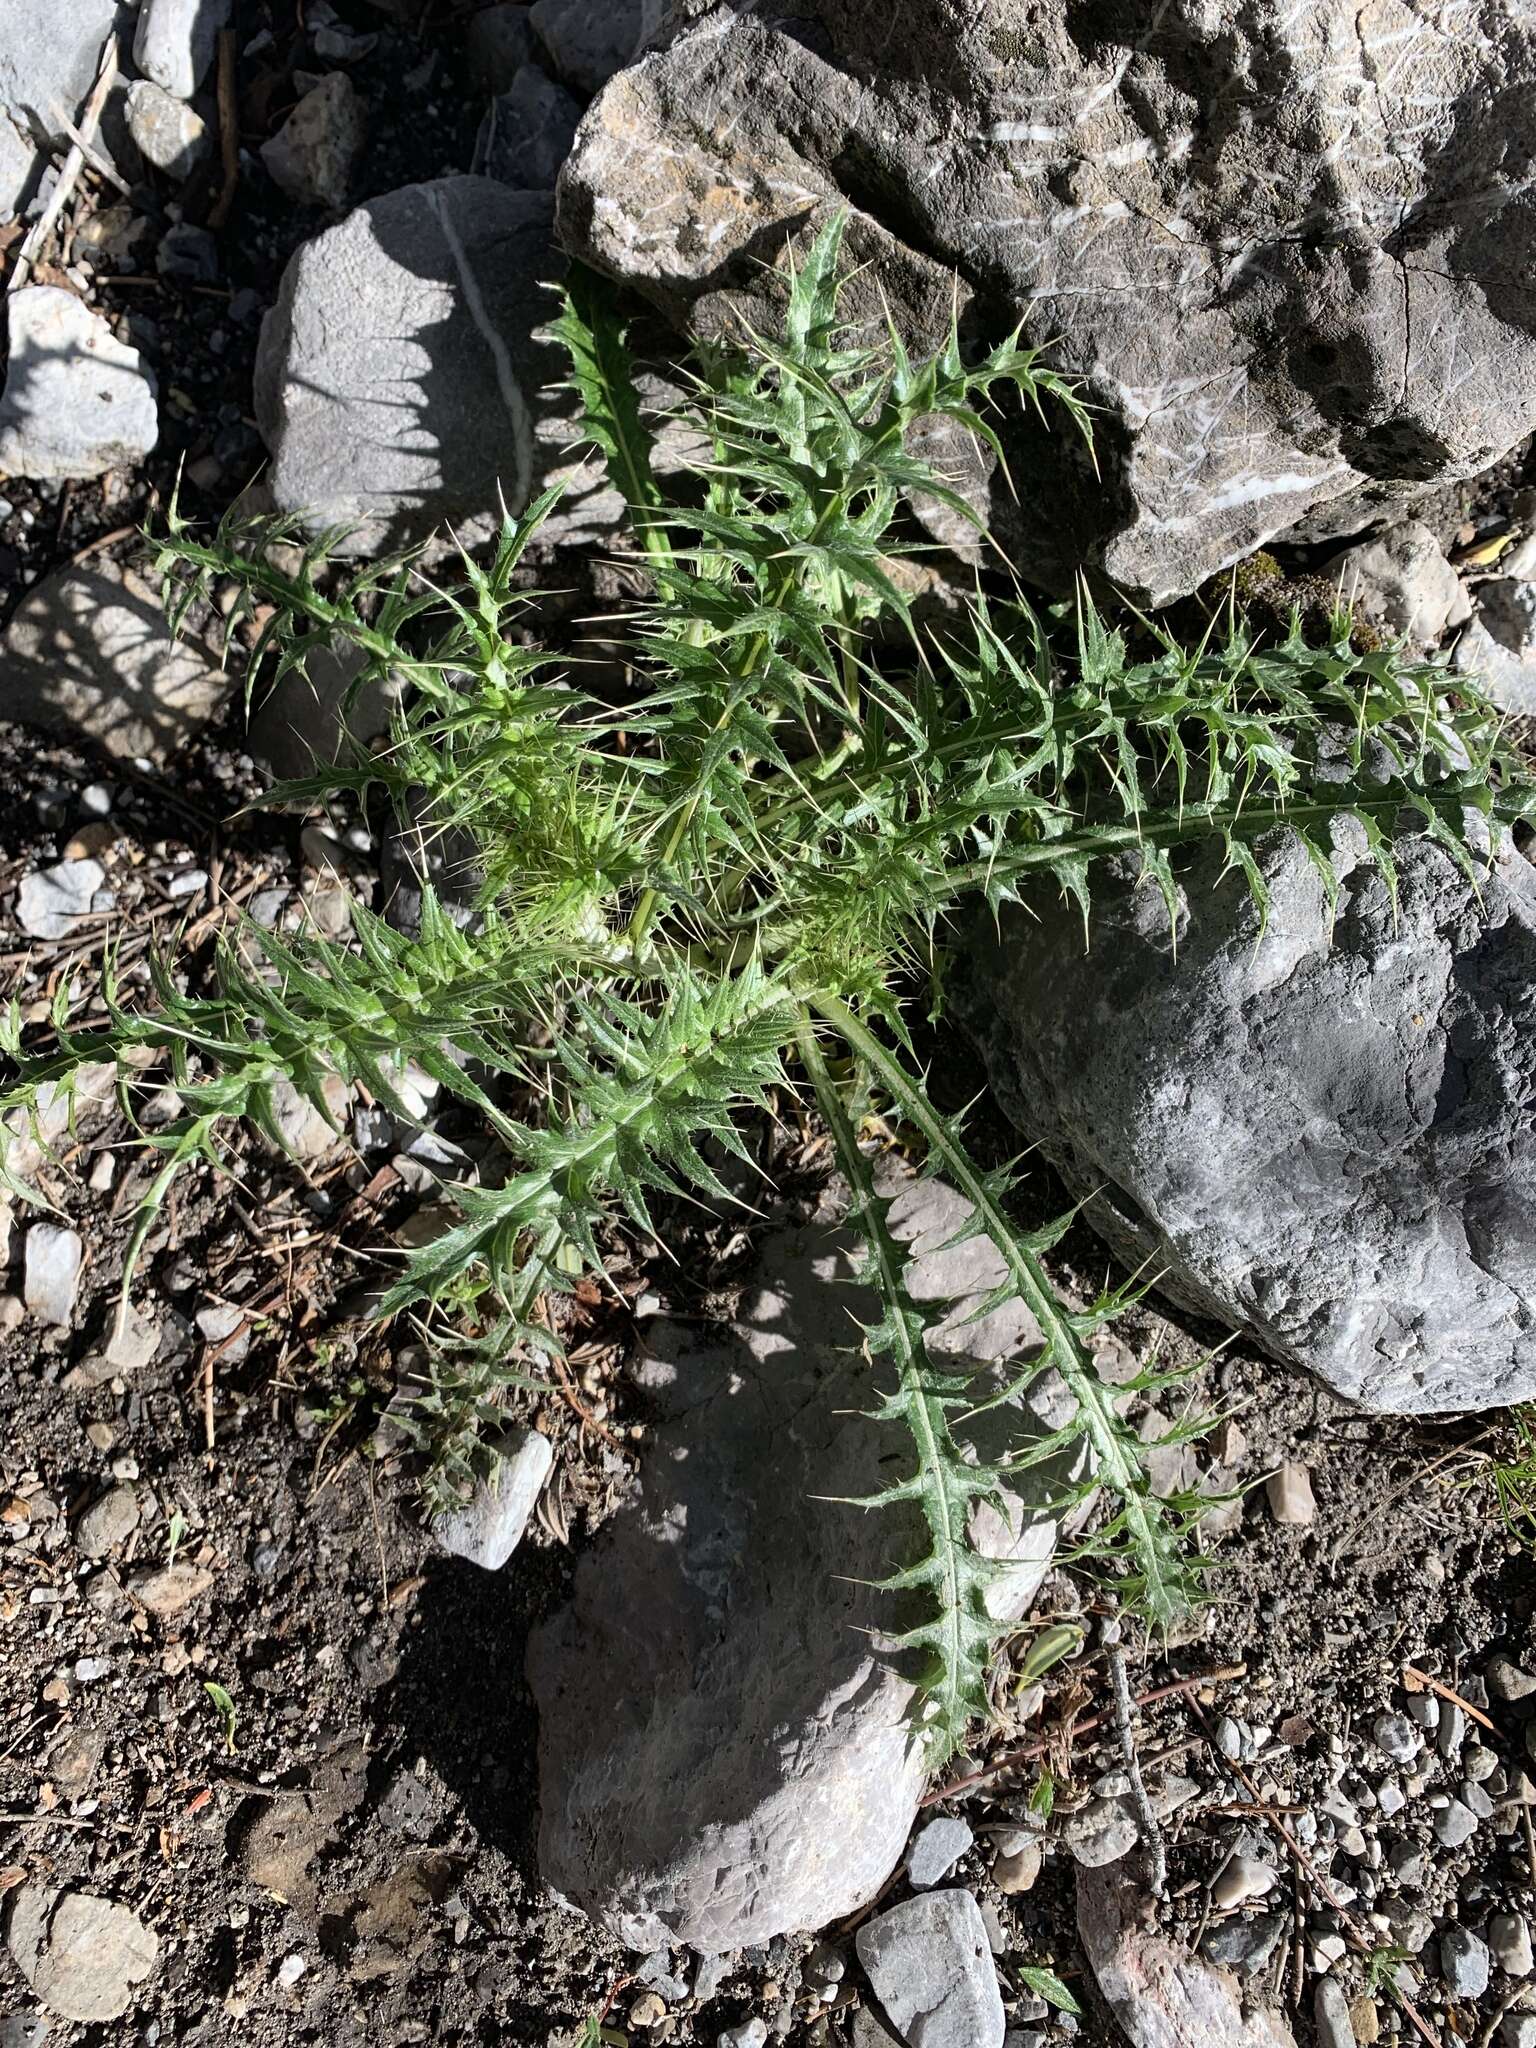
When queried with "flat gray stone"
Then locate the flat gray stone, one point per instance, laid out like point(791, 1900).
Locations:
point(1327, 1135)
point(1498, 649)
point(936, 1849)
point(1330, 2015)
point(50, 902)
point(398, 374)
point(77, 401)
point(498, 42)
point(489, 1527)
point(589, 40)
point(756, 1770)
point(930, 1964)
point(1465, 1963)
point(83, 1956)
point(175, 42)
point(88, 654)
point(1326, 297)
point(528, 131)
point(49, 55)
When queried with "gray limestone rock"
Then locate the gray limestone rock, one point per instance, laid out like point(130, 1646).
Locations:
point(1402, 580)
point(399, 374)
point(77, 401)
point(1288, 250)
point(176, 40)
point(89, 654)
point(1324, 1135)
point(754, 1768)
point(312, 155)
point(527, 133)
point(1464, 1963)
point(588, 40)
point(171, 135)
point(931, 1967)
point(83, 1956)
point(1161, 1992)
point(50, 902)
point(1499, 647)
point(49, 54)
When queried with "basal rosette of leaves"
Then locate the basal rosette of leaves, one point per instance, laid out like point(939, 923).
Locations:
point(730, 878)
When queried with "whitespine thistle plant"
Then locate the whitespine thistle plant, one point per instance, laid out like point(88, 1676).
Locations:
point(724, 878)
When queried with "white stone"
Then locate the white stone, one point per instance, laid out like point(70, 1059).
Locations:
point(489, 1527)
point(51, 902)
point(77, 401)
point(54, 1257)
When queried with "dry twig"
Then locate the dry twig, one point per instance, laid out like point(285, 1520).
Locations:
point(74, 164)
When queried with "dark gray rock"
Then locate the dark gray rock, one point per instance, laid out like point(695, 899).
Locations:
point(527, 134)
point(1289, 250)
point(1245, 1943)
point(1325, 1136)
point(498, 42)
point(931, 1967)
point(753, 1768)
point(588, 40)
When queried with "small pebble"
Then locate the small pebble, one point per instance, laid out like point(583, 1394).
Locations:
point(1244, 1878)
point(1452, 1731)
point(1507, 1680)
point(1396, 1736)
point(1422, 1711)
point(1330, 2013)
point(750, 2034)
point(1454, 1823)
point(937, 1849)
point(648, 2010)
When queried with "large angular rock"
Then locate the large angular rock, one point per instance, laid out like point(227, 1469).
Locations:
point(77, 401)
point(931, 1967)
point(399, 374)
point(752, 1768)
point(49, 56)
point(1289, 250)
point(1329, 1137)
point(89, 655)
point(1160, 1991)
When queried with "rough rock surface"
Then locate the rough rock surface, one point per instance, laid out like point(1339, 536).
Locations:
point(399, 373)
point(1404, 582)
point(588, 40)
point(527, 133)
point(1499, 647)
point(1161, 1992)
point(753, 1768)
point(931, 1967)
point(1289, 249)
point(48, 61)
point(88, 654)
point(175, 42)
point(77, 401)
point(312, 155)
point(81, 1955)
point(1329, 1138)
